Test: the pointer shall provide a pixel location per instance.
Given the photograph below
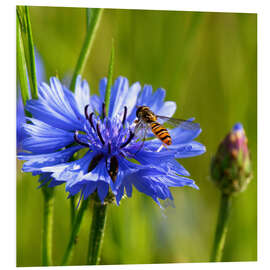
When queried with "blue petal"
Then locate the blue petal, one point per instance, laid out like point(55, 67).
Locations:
point(125, 167)
point(172, 180)
point(90, 187)
point(154, 189)
point(54, 106)
point(173, 167)
point(102, 88)
point(140, 178)
point(44, 138)
point(70, 172)
point(100, 173)
point(20, 120)
point(85, 187)
point(73, 190)
point(154, 158)
point(191, 149)
point(145, 96)
point(102, 189)
point(167, 109)
point(155, 182)
point(40, 70)
point(96, 104)
point(123, 95)
point(82, 94)
point(157, 100)
point(128, 188)
point(118, 92)
point(35, 162)
point(237, 127)
point(130, 99)
point(44, 179)
point(182, 135)
point(55, 183)
point(120, 194)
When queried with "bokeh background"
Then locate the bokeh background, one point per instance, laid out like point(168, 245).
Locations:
point(207, 62)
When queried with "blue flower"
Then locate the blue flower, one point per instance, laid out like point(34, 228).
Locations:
point(64, 123)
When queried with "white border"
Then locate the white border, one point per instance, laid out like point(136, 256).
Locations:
point(192, 5)
point(8, 187)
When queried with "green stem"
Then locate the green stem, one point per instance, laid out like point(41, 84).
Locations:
point(47, 226)
point(96, 233)
point(72, 219)
point(109, 82)
point(222, 227)
point(21, 63)
point(72, 211)
point(88, 42)
point(75, 230)
point(32, 73)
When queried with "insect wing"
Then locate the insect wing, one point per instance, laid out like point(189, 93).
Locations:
point(141, 130)
point(173, 122)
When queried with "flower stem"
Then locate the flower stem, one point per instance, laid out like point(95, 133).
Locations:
point(222, 227)
point(47, 226)
point(75, 230)
point(109, 82)
point(95, 16)
point(32, 69)
point(72, 211)
point(96, 232)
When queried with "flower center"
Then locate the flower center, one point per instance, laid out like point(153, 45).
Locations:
point(109, 139)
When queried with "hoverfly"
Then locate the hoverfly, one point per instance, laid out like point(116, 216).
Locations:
point(147, 120)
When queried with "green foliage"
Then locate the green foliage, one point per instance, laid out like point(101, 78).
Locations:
point(26, 46)
point(207, 64)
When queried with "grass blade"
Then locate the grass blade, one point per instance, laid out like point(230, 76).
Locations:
point(94, 17)
point(21, 64)
point(32, 64)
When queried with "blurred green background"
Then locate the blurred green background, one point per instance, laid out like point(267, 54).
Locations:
point(207, 62)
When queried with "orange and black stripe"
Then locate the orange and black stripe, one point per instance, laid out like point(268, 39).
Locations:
point(161, 132)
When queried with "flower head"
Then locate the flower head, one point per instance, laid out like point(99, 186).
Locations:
point(112, 156)
point(231, 167)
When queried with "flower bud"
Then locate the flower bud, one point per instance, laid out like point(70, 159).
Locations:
point(231, 168)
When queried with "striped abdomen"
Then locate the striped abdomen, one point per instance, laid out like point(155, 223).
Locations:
point(161, 132)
